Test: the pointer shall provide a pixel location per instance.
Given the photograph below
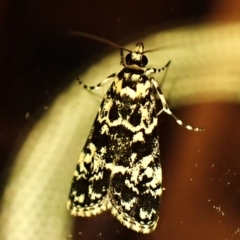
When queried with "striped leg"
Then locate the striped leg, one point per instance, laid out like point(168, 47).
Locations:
point(155, 70)
point(99, 85)
point(122, 63)
point(167, 110)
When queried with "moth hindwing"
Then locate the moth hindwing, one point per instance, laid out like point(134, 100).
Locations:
point(119, 167)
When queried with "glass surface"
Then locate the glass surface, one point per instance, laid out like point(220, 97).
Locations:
point(46, 116)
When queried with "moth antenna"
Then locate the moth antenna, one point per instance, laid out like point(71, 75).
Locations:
point(154, 49)
point(99, 39)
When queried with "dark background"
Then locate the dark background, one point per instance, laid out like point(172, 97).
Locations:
point(36, 55)
point(37, 58)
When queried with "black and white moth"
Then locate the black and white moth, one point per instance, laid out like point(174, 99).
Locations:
point(119, 167)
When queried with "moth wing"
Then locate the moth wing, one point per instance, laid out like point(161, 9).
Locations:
point(135, 185)
point(135, 189)
point(92, 175)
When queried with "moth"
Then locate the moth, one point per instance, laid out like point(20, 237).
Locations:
point(119, 167)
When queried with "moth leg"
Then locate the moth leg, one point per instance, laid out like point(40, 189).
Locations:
point(99, 85)
point(122, 62)
point(156, 70)
point(167, 110)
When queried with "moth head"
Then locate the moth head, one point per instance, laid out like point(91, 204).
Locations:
point(137, 57)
